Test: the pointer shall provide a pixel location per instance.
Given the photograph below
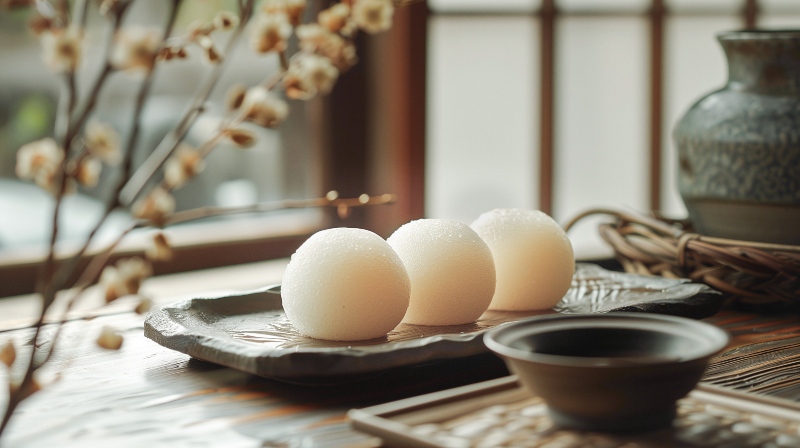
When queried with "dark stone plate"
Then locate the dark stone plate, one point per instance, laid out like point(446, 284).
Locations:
point(250, 332)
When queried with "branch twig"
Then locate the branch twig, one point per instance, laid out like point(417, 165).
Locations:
point(156, 160)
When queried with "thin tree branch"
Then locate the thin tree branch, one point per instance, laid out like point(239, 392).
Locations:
point(112, 204)
point(156, 160)
point(97, 86)
point(207, 212)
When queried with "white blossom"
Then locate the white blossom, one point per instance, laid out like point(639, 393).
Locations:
point(263, 108)
point(335, 17)
point(155, 206)
point(317, 39)
point(62, 49)
point(40, 161)
point(309, 75)
point(293, 9)
point(124, 278)
point(159, 248)
point(88, 172)
point(102, 141)
point(373, 16)
point(186, 163)
point(269, 32)
point(136, 48)
point(225, 20)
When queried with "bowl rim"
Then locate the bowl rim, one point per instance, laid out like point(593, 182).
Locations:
point(715, 338)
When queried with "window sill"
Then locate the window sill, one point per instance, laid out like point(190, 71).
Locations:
point(197, 246)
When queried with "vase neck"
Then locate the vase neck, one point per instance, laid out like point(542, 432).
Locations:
point(763, 61)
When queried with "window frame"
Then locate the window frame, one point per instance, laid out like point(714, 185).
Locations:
point(355, 159)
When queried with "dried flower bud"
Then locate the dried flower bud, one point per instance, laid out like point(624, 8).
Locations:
point(225, 20)
point(124, 278)
point(40, 161)
point(155, 206)
point(309, 75)
point(198, 29)
point(212, 55)
point(343, 211)
point(88, 172)
point(102, 141)
point(136, 48)
point(316, 39)
point(263, 108)
point(335, 17)
point(109, 339)
point(235, 96)
point(349, 30)
point(293, 9)
point(62, 49)
point(109, 6)
point(332, 195)
point(241, 137)
point(346, 58)
point(8, 353)
point(38, 24)
point(186, 163)
point(159, 249)
point(270, 32)
point(373, 16)
point(164, 54)
point(144, 305)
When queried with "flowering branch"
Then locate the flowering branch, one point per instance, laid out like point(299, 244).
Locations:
point(169, 144)
point(82, 144)
point(342, 206)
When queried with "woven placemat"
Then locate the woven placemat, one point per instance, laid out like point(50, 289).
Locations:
point(749, 271)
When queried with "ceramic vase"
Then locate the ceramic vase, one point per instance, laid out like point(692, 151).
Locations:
point(739, 147)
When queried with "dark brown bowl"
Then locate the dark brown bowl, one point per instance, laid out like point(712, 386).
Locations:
point(612, 372)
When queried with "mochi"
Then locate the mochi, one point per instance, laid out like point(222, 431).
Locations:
point(345, 284)
point(532, 255)
point(451, 270)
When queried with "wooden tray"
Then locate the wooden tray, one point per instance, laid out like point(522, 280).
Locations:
point(500, 413)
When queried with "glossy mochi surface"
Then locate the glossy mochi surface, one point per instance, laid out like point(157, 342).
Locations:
point(532, 255)
point(345, 284)
point(451, 270)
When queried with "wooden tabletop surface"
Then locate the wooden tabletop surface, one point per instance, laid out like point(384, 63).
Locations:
point(147, 395)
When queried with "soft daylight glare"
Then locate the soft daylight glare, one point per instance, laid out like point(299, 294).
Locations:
point(533, 257)
point(451, 270)
point(345, 284)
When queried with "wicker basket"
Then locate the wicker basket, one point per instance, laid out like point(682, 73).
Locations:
point(750, 271)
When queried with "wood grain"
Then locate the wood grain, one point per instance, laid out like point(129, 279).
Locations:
point(147, 395)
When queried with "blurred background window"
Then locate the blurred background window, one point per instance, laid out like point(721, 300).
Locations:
point(485, 143)
point(284, 164)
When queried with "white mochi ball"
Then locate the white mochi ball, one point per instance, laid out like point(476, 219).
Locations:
point(451, 270)
point(345, 284)
point(532, 255)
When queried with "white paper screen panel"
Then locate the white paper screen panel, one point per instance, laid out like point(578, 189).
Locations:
point(482, 115)
point(483, 103)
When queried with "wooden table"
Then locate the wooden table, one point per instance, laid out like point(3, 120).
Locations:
point(146, 395)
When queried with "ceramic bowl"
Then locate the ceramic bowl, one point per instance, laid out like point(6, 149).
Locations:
point(608, 372)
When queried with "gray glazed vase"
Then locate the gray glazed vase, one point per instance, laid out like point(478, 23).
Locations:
point(739, 147)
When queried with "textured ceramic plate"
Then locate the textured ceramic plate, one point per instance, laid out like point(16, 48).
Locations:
point(250, 332)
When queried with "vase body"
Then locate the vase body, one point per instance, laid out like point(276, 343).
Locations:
point(739, 147)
